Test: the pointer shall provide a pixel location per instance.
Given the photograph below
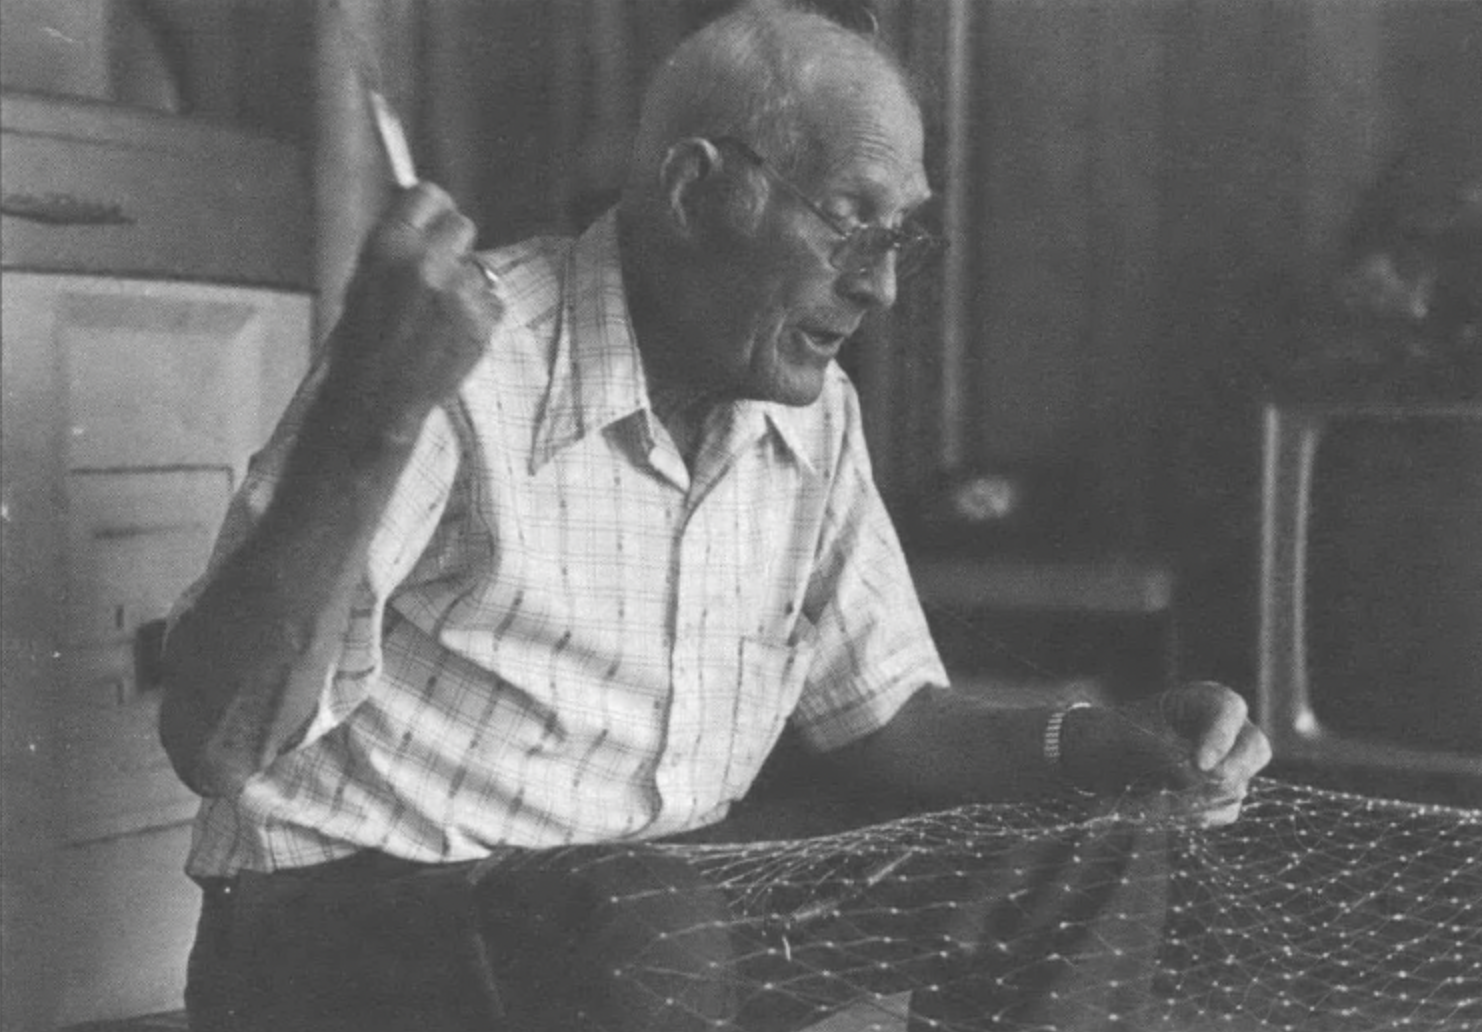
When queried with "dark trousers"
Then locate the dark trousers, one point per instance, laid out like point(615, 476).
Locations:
point(1055, 930)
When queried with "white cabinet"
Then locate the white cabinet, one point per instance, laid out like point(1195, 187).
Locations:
point(167, 388)
point(144, 361)
point(161, 391)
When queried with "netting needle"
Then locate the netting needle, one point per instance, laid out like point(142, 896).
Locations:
point(389, 128)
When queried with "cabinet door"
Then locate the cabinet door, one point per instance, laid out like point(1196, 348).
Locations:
point(154, 394)
point(137, 538)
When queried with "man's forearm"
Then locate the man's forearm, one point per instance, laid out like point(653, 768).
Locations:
point(945, 749)
point(245, 666)
point(246, 663)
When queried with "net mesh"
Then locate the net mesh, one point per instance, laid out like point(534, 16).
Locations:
point(1316, 911)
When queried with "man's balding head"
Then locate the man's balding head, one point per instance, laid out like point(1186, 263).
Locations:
point(757, 74)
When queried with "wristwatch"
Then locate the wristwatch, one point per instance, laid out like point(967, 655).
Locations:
point(1052, 753)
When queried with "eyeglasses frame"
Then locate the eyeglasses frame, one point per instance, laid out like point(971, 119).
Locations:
point(925, 244)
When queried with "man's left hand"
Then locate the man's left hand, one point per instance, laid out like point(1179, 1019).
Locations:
point(1196, 741)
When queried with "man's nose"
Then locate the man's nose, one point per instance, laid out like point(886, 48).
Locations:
point(873, 283)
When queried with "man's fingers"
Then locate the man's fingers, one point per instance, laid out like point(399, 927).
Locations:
point(1211, 716)
point(419, 206)
point(449, 240)
point(1245, 759)
point(420, 311)
point(1224, 789)
point(1218, 815)
point(418, 217)
point(424, 229)
point(1193, 741)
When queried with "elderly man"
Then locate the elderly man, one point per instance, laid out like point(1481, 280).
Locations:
point(530, 577)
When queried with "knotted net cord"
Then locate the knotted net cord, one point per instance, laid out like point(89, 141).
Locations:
point(1316, 911)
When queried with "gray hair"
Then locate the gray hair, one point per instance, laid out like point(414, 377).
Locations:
point(748, 75)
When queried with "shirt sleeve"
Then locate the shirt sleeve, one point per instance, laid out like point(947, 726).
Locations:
point(412, 514)
point(872, 647)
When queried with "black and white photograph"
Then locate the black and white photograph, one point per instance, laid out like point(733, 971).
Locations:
point(741, 515)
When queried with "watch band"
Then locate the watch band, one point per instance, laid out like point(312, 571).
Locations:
point(1052, 749)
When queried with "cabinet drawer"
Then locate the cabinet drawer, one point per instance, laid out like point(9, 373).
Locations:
point(99, 188)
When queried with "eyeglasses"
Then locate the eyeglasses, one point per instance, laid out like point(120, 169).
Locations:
point(860, 248)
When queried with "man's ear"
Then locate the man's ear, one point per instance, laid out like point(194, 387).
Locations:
point(698, 199)
point(688, 181)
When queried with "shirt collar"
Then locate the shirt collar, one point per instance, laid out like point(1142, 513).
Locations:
point(787, 422)
point(597, 376)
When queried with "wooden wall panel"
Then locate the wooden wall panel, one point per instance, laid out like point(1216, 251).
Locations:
point(1431, 76)
point(897, 361)
point(1231, 207)
point(1124, 204)
point(488, 119)
point(1231, 234)
point(1032, 319)
point(1347, 124)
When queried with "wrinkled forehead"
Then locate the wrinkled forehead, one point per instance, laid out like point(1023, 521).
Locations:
point(869, 132)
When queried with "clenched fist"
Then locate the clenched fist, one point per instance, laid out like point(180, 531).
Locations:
point(417, 317)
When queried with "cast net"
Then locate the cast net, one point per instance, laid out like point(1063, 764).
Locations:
point(1316, 911)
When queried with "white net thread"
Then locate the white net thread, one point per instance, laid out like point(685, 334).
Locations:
point(1316, 911)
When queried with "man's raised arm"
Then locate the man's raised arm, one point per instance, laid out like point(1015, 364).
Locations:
point(246, 662)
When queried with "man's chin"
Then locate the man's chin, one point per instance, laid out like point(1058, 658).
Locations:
point(799, 388)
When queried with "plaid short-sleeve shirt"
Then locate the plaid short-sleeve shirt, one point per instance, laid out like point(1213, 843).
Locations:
point(562, 635)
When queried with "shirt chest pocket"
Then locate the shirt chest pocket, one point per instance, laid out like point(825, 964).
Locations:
point(770, 681)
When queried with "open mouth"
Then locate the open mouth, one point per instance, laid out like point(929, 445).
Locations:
point(823, 342)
